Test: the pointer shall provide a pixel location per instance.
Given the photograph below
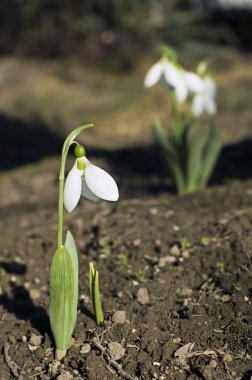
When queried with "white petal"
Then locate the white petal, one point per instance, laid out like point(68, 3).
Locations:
point(198, 105)
point(210, 86)
point(176, 79)
point(181, 90)
point(171, 74)
point(100, 182)
point(153, 75)
point(72, 188)
point(87, 193)
point(194, 82)
point(210, 105)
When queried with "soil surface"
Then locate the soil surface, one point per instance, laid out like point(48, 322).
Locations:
point(175, 273)
point(178, 268)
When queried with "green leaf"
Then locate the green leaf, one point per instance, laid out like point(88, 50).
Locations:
point(61, 311)
point(196, 140)
point(71, 247)
point(212, 153)
point(171, 155)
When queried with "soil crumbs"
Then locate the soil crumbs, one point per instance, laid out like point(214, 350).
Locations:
point(175, 278)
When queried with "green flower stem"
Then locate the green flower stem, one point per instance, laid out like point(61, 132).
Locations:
point(69, 140)
point(176, 124)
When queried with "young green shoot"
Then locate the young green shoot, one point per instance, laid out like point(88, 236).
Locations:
point(95, 294)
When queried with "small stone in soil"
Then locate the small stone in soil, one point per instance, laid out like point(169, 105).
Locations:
point(85, 349)
point(166, 260)
point(142, 296)
point(186, 292)
point(65, 376)
point(213, 363)
point(225, 298)
point(175, 251)
point(116, 351)
point(38, 369)
point(35, 340)
point(137, 242)
point(119, 317)
point(34, 294)
point(185, 254)
point(176, 228)
point(227, 358)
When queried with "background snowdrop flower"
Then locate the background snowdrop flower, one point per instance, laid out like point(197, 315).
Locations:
point(194, 82)
point(169, 75)
point(155, 73)
point(204, 100)
point(92, 182)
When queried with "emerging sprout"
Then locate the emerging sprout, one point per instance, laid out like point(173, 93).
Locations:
point(95, 294)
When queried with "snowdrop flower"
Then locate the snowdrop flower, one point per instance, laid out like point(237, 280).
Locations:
point(173, 76)
point(204, 98)
point(90, 181)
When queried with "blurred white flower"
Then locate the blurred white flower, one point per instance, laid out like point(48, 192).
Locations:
point(92, 182)
point(204, 98)
point(174, 77)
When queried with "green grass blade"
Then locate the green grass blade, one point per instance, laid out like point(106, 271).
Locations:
point(61, 300)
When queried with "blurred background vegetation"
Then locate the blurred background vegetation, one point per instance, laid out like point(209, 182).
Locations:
point(64, 63)
point(91, 30)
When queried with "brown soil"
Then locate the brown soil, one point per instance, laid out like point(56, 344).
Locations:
point(190, 254)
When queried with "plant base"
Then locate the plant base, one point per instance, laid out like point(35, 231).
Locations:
point(60, 354)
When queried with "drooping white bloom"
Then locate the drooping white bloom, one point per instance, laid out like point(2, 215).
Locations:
point(194, 82)
point(72, 188)
point(101, 184)
point(204, 99)
point(175, 77)
point(155, 73)
point(93, 183)
point(170, 75)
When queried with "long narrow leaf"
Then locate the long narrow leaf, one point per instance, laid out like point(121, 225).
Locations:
point(171, 155)
point(71, 247)
point(212, 153)
point(196, 142)
point(61, 300)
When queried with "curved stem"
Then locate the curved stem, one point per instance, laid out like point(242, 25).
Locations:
point(69, 140)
